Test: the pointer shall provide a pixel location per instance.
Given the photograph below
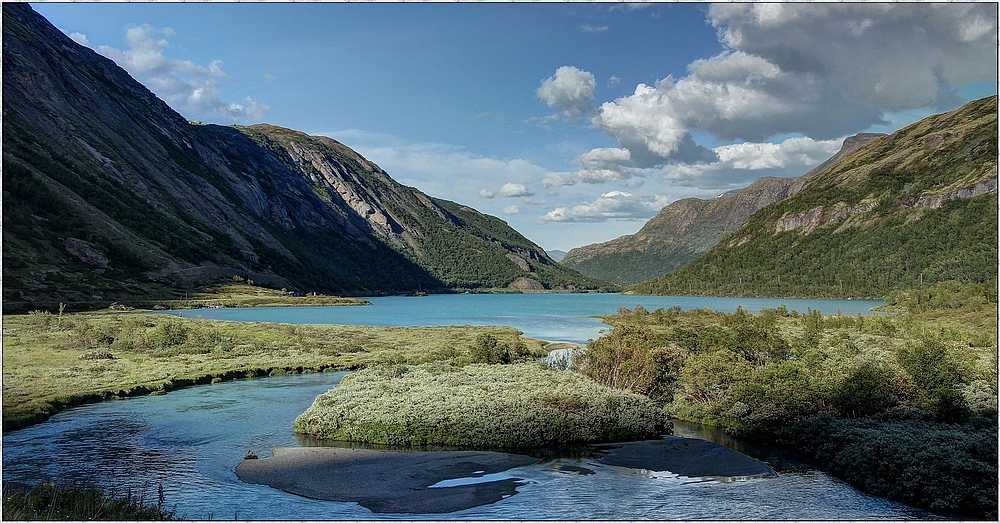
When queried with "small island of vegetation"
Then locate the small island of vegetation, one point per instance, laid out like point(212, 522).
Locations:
point(523, 405)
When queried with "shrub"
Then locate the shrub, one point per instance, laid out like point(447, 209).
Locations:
point(918, 461)
point(488, 349)
point(869, 388)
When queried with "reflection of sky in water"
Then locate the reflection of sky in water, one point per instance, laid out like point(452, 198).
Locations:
point(191, 440)
point(553, 317)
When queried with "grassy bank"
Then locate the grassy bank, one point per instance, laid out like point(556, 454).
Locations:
point(47, 501)
point(53, 361)
point(487, 406)
point(846, 389)
point(230, 294)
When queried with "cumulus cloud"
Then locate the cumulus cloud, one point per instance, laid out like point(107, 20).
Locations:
point(570, 91)
point(79, 38)
point(189, 88)
point(821, 70)
point(486, 193)
point(593, 29)
point(514, 190)
point(614, 205)
point(511, 209)
point(741, 164)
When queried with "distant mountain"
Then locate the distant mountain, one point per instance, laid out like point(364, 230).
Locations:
point(556, 254)
point(913, 208)
point(685, 229)
point(109, 194)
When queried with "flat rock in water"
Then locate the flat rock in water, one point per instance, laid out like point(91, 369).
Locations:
point(386, 481)
point(690, 457)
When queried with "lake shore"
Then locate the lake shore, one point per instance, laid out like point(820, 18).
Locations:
point(400, 482)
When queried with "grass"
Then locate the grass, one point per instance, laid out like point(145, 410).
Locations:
point(521, 405)
point(47, 501)
point(248, 295)
point(51, 362)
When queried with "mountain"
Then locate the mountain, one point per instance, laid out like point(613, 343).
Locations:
point(109, 194)
point(556, 255)
point(912, 208)
point(685, 229)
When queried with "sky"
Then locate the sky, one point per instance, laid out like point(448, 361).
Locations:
point(573, 122)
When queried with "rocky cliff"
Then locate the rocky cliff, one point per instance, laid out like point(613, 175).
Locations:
point(109, 194)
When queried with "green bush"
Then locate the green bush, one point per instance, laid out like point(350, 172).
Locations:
point(918, 461)
point(870, 388)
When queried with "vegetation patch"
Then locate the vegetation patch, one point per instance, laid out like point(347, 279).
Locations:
point(902, 403)
point(47, 501)
point(484, 406)
point(51, 362)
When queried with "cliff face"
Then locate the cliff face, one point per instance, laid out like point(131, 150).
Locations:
point(108, 194)
point(915, 207)
point(687, 228)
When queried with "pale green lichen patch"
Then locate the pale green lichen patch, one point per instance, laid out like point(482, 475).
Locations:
point(486, 406)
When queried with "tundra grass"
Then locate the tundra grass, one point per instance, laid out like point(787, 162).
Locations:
point(53, 361)
point(47, 501)
point(521, 405)
point(244, 295)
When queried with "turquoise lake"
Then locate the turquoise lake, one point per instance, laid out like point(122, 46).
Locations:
point(551, 317)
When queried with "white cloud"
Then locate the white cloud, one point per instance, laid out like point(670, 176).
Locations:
point(593, 29)
point(486, 193)
point(511, 209)
point(614, 205)
point(741, 164)
point(189, 88)
point(559, 180)
point(569, 90)
point(79, 38)
point(514, 190)
point(819, 69)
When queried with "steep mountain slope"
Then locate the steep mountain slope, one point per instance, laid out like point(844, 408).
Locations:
point(685, 229)
point(913, 208)
point(110, 194)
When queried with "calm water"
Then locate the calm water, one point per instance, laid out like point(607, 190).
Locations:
point(552, 317)
point(191, 440)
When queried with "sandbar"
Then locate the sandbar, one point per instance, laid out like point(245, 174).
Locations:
point(690, 457)
point(400, 482)
point(386, 481)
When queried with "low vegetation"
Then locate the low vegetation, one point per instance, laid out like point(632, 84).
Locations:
point(520, 405)
point(47, 501)
point(902, 403)
point(52, 361)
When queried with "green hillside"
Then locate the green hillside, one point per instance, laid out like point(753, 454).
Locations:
point(913, 208)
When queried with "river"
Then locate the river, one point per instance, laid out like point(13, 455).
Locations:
point(190, 440)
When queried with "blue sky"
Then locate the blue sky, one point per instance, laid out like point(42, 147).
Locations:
point(574, 122)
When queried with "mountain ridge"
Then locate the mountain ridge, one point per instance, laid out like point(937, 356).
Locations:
point(110, 195)
point(912, 208)
point(685, 229)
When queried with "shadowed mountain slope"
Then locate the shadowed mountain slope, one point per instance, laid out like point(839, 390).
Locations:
point(109, 194)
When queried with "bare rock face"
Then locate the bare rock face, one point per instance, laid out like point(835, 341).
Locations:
point(526, 284)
